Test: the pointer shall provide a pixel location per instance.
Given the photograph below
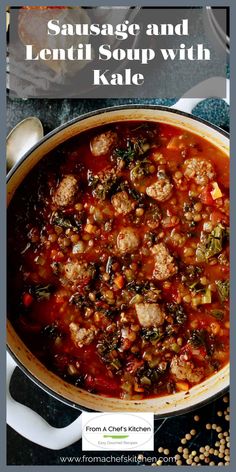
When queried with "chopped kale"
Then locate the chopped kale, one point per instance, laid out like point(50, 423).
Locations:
point(134, 149)
point(138, 287)
point(151, 334)
point(212, 244)
point(148, 289)
point(147, 376)
point(197, 338)
point(218, 314)
point(127, 154)
point(140, 170)
point(51, 331)
point(110, 312)
point(215, 240)
point(41, 292)
point(197, 287)
point(170, 330)
point(79, 300)
point(193, 271)
point(106, 346)
point(103, 184)
point(192, 224)
point(139, 197)
point(223, 289)
point(188, 206)
point(177, 311)
point(71, 222)
point(59, 220)
point(147, 128)
point(79, 382)
point(108, 343)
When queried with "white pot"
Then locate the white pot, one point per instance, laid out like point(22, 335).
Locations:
point(21, 418)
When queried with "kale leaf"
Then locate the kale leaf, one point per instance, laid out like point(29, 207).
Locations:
point(223, 289)
point(177, 311)
point(197, 338)
point(41, 292)
point(151, 334)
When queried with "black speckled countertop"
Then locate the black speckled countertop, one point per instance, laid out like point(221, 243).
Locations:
point(168, 434)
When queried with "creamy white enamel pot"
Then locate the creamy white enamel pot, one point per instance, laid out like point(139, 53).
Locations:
point(21, 418)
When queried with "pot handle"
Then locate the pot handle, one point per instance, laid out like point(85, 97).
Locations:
point(208, 87)
point(34, 428)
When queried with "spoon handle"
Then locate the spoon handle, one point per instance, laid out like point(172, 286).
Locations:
point(22, 138)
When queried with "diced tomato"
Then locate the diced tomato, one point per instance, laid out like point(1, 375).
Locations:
point(133, 365)
point(59, 299)
point(175, 295)
point(205, 195)
point(169, 222)
point(217, 217)
point(101, 383)
point(28, 326)
point(199, 352)
point(126, 343)
point(119, 281)
point(27, 299)
point(172, 293)
point(57, 256)
point(69, 210)
point(83, 283)
point(182, 386)
point(138, 389)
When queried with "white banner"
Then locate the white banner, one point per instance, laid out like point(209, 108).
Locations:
point(117, 431)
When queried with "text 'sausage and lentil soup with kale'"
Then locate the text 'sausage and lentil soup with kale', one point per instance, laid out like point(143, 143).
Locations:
point(119, 260)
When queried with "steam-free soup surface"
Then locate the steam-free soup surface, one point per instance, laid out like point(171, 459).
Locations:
point(118, 260)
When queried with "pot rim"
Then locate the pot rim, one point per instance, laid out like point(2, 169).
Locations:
point(108, 110)
point(69, 123)
point(81, 408)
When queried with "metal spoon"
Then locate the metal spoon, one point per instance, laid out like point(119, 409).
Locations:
point(21, 138)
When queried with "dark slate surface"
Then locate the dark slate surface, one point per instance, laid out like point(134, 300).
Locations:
point(168, 434)
point(52, 113)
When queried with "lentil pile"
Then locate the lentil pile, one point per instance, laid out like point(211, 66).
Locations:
point(118, 260)
point(215, 452)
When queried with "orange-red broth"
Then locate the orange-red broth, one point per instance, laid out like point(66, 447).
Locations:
point(120, 361)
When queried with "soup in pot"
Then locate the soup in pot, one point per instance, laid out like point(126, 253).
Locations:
point(118, 260)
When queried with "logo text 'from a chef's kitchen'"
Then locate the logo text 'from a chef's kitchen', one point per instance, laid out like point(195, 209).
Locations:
point(115, 431)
